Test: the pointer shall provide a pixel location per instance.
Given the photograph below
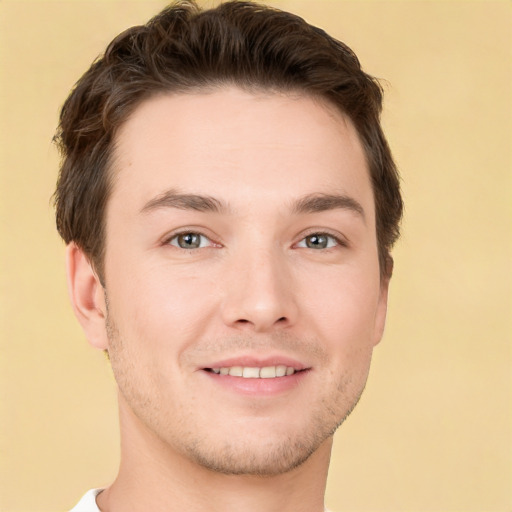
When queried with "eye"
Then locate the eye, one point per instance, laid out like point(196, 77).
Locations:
point(190, 240)
point(319, 241)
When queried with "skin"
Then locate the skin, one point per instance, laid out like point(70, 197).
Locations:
point(278, 276)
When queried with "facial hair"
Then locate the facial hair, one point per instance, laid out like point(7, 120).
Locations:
point(281, 450)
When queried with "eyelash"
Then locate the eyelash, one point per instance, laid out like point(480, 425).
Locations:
point(175, 236)
point(338, 241)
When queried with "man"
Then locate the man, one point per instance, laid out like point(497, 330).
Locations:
point(229, 202)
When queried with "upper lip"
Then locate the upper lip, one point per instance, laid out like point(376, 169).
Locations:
point(251, 361)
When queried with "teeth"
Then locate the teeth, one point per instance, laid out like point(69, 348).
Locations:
point(269, 372)
point(280, 371)
point(236, 371)
point(248, 372)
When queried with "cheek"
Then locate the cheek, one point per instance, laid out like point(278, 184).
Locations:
point(161, 305)
point(343, 311)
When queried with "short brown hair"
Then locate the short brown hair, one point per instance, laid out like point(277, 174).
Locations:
point(184, 48)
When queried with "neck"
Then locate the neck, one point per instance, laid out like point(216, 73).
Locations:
point(152, 476)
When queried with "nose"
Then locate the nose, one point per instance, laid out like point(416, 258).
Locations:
point(259, 293)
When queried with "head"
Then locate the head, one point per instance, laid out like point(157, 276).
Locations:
point(230, 202)
point(184, 49)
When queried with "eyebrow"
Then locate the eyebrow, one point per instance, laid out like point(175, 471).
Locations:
point(313, 203)
point(173, 199)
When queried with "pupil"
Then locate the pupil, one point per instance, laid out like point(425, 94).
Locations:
point(316, 241)
point(189, 240)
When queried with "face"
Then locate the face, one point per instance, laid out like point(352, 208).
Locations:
point(242, 279)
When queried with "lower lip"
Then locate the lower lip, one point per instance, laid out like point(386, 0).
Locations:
point(258, 387)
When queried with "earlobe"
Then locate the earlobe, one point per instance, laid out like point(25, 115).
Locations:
point(87, 296)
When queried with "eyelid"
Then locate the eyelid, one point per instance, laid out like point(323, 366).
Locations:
point(166, 239)
point(340, 239)
point(201, 245)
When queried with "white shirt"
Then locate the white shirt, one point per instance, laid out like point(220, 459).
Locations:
point(88, 502)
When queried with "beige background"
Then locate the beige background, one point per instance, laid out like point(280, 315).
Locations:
point(433, 431)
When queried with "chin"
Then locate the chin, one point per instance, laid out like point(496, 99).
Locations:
point(261, 460)
point(265, 453)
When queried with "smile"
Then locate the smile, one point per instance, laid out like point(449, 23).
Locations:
point(248, 372)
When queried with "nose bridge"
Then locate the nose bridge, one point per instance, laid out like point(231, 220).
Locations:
point(259, 293)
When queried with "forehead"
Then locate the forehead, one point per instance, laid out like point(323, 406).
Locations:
point(240, 147)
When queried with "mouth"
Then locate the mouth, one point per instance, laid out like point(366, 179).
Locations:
point(250, 375)
point(256, 372)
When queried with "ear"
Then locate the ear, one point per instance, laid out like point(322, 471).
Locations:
point(382, 306)
point(87, 296)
